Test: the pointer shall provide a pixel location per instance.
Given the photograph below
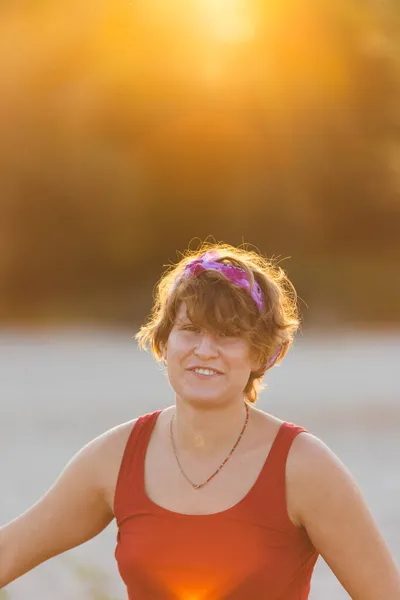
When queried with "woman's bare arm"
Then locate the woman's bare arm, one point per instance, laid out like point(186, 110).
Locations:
point(74, 510)
point(329, 504)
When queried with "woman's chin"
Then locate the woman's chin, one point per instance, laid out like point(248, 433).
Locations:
point(203, 398)
point(191, 395)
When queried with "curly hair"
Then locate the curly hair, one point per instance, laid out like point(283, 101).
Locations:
point(215, 303)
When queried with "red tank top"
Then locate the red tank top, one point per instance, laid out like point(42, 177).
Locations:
point(252, 551)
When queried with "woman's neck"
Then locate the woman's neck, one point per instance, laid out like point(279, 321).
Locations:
point(207, 430)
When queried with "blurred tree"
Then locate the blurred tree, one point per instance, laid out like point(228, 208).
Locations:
point(128, 129)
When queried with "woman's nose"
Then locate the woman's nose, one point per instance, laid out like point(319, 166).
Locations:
point(206, 345)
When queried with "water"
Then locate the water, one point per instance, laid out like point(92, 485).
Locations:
point(59, 390)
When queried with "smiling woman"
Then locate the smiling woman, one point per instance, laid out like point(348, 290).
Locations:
point(213, 498)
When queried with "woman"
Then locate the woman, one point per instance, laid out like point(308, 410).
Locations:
point(213, 498)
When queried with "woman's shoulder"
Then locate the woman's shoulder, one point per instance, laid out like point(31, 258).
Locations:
point(312, 467)
point(107, 452)
point(109, 449)
point(271, 424)
point(309, 463)
point(309, 451)
point(112, 443)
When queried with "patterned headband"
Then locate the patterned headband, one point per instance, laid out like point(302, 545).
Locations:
point(237, 275)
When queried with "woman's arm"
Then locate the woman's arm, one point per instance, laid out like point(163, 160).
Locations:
point(74, 510)
point(329, 504)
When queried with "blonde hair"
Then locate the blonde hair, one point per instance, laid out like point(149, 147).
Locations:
point(215, 303)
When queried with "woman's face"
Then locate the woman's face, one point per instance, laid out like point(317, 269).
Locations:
point(204, 366)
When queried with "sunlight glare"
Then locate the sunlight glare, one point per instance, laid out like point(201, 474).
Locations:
point(228, 20)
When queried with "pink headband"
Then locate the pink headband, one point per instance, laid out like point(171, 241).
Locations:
point(237, 275)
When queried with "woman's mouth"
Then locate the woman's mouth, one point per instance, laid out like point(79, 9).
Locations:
point(204, 373)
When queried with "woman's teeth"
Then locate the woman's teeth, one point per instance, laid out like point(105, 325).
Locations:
point(205, 371)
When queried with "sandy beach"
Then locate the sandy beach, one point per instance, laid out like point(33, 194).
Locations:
point(58, 390)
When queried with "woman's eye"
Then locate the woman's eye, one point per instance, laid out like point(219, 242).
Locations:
point(228, 334)
point(190, 328)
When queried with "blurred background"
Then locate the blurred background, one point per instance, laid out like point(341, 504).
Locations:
point(131, 130)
